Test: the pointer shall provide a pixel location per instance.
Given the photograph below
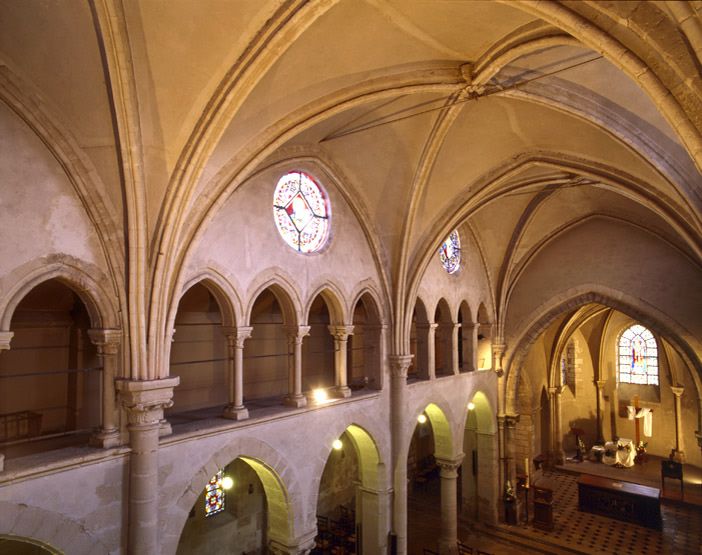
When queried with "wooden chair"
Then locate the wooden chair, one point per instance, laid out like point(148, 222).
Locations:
point(464, 549)
point(671, 469)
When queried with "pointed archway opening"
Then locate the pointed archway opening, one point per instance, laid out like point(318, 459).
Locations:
point(244, 507)
point(198, 354)
point(351, 505)
point(50, 380)
point(479, 478)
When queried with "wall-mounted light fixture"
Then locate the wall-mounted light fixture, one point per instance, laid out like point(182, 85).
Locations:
point(227, 482)
point(422, 418)
point(471, 406)
point(320, 395)
point(337, 445)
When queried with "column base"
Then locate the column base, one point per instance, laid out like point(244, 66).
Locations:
point(297, 401)
point(236, 413)
point(342, 391)
point(105, 439)
point(164, 428)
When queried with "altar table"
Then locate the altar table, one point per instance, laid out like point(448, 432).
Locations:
point(621, 500)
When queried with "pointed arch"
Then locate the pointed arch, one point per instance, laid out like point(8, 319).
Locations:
point(83, 278)
point(286, 295)
point(333, 298)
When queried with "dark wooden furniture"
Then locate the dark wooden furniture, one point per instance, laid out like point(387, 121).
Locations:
point(620, 500)
point(464, 549)
point(671, 469)
point(543, 507)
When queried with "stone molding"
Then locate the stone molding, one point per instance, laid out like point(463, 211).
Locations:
point(399, 364)
point(5, 339)
point(341, 333)
point(145, 400)
point(107, 340)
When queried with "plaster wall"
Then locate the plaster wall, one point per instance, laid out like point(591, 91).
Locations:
point(40, 211)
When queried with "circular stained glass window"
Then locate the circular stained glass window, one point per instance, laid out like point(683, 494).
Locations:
point(301, 212)
point(450, 253)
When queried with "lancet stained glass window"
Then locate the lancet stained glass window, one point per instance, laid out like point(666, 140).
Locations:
point(301, 212)
point(638, 356)
point(214, 495)
point(450, 252)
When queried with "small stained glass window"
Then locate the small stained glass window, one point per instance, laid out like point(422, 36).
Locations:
point(638, 356)
point(450, 253)
point(214, 495)
point(301, 211)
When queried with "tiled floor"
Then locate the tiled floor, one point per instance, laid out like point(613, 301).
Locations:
point(575, 531)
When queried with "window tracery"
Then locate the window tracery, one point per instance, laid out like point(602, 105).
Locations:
point(450, 252)
point(301, 212)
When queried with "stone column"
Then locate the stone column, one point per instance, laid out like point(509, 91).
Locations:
point(144, 402)
point(600, 384)
point(679, 446)
point(341, 340)
point(511, 421)
point(398, 370)
point(430, 330)
point(107, 342)
point(449, 507)
point(454, 348)
point(296, 334)
point(236, 337)
point(5, 338)
point(470, 346)
point(557, 426)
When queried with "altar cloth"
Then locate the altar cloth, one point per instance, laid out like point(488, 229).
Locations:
point(622, 452)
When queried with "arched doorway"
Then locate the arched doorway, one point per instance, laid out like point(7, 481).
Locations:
point(242, 509)
point(50, 380)
point(198, 353)
point(318, 349)
point(432, 471)
point(267, 353)
point(352, 500)
point(419, 344)
point(480, 468)
point(365, 345)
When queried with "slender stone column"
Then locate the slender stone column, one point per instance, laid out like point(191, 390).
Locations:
point(398, 370)
point(454, 348)
point(430, 330)
point(107, 342)
point(341, 340)
point(679, 446)
point(600, 384)
point(144, 402)
point(236, 338)
point(296, 334)
point(511, 421)
point(449, 505)
point(557, 426)
point(5, 338)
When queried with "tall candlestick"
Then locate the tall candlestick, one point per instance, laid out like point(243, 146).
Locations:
point(526, 469)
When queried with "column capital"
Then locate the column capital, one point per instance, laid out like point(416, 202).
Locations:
point(399, 365)
point(106, 340)
point(600, 384)
point(677, 391)
point(508, 420)
point(429, 326)
point(341, 333)
point(5, 338)
point(236, 335)
point(297, 332)
point(449, 467)
point(145, 400)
